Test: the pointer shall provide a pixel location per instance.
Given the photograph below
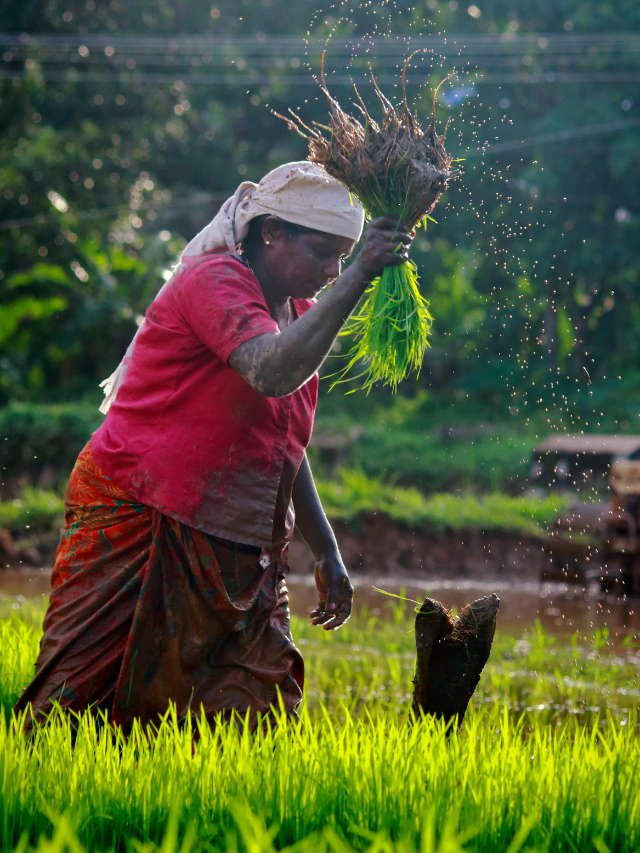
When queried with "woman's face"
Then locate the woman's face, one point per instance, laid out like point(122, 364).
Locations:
point(302, 265)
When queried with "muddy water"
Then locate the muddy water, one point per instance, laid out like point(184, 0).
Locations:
point(561, 609)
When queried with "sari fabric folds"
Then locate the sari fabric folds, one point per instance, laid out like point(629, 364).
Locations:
point(146, 611)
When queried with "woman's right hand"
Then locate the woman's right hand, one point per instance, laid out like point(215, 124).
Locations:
point(277, 363)
point(379, 247)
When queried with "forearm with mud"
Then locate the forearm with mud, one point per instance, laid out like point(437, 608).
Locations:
point(277, 364)
point(311, 520)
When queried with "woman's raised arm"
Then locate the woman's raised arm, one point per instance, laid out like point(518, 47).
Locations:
point(277, 364)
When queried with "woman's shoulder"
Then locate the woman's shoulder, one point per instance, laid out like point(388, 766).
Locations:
point(218, 271)
point(222, 262)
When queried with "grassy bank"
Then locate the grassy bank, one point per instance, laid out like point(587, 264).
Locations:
point(546, 759)
point(351, 494)
point(477, 457)
point(37, 440)
point(32, 510)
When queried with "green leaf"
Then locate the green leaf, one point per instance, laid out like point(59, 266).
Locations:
point(39, 274)
point(28, 308)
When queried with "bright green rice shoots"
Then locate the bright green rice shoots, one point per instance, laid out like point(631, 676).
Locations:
point(391, 329)
point(546, 761)
point(399, 169)
point(371, 784)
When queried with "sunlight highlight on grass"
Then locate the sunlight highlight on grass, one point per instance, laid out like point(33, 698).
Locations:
point(545, 760)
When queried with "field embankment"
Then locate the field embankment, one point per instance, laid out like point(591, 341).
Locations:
point(391, 530)
point(381, 528)
point(404, 499)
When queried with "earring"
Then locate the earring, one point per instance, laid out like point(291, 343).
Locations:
point(267, 242)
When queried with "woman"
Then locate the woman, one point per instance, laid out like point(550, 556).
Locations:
point(168, 584)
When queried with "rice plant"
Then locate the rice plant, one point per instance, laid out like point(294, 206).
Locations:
point(545, 760)
point(366, 784)
point(397, 168)
point(367, 667)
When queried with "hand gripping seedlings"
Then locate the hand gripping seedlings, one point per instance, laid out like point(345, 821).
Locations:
point(450, 655)
point(394, 168)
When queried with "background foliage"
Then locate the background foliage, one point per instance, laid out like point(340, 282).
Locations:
point(532, 268)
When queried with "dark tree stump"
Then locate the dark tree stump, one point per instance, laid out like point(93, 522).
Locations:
point(451, 655)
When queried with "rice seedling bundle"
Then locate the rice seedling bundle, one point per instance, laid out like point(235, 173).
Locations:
point(397, 168)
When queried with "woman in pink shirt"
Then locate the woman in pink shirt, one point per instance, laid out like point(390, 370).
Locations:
point(168, 584)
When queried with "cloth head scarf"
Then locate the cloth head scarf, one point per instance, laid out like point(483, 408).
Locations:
point(301, 193)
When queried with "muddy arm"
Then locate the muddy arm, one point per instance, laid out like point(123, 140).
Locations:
point(334, 587)
point(311, 520)
point(277, 364)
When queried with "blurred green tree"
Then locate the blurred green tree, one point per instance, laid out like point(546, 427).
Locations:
point(111, 157)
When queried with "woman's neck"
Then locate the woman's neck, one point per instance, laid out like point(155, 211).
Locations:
point(277, 302)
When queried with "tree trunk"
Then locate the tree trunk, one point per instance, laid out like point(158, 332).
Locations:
point(451, 655)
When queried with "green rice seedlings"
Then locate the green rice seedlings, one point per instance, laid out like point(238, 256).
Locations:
point(396, 168)
point(358, 774)
point(380, 783)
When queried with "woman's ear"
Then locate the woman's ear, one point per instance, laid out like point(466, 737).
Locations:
point(272, 230)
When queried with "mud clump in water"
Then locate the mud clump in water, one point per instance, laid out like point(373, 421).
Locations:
point(451, 655)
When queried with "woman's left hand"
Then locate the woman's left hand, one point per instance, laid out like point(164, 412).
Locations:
point(335, 591)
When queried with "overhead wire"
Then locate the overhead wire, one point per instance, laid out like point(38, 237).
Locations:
point(596, 49)
point(576, 58)
point(557, 136)
point(99, 212)
point(300, 80)
point(497, 148)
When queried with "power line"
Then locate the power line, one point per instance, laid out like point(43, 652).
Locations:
point(86, 49)
point(261, 43)
point(29, 221)
point(505, 58)
point(537, 78)
point(100, 212)
point(125, 62)
point(559, 136)
point(512, 145)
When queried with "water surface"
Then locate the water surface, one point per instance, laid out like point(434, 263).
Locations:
point(560, 608)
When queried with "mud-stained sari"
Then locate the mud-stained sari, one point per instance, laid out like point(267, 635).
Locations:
point(146, 611)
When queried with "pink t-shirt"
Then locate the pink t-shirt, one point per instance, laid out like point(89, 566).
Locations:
point(186, 434)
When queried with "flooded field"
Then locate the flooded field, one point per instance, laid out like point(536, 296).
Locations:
point(561, 609)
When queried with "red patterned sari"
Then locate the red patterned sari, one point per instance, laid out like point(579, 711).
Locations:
point(146, 611)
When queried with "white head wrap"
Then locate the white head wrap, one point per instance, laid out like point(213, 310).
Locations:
point(302, 193)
